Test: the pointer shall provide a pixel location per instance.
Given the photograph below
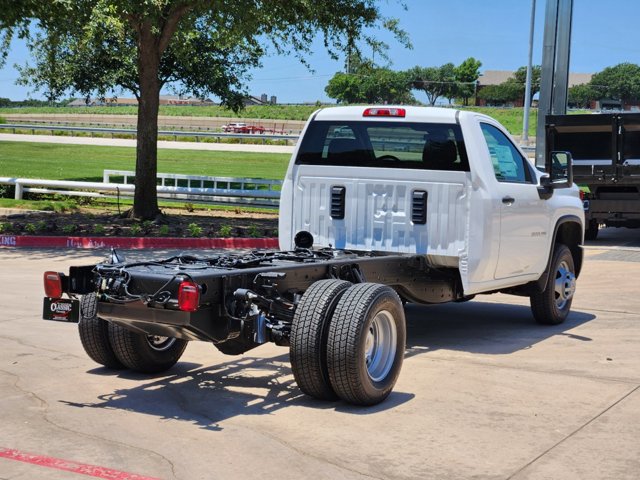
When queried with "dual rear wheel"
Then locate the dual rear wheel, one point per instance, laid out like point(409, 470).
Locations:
point(347, 341)
point(115, 347)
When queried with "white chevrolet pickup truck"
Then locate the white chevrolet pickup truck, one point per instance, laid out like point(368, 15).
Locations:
point(380, 206)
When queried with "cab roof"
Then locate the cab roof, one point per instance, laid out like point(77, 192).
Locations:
point(412, 114)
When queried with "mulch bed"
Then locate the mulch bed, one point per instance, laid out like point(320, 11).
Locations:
point(173, 223)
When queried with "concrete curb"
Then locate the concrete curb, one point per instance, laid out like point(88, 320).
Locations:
point(135, 242)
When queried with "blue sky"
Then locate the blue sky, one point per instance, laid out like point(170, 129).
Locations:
point(494, 31)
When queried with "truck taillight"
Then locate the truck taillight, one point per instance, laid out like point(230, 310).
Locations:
point(188, 296)
point(384, 112)
point(52, 285)
point(581, 194)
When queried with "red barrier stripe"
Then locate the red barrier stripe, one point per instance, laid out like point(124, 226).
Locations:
point(135, 242)
point(70, 466)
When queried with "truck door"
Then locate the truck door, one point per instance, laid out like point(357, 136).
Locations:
point(524, 217)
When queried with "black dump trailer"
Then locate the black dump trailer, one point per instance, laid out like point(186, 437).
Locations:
point(606, 159)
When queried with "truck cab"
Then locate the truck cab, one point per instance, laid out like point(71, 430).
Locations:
point(447, 184)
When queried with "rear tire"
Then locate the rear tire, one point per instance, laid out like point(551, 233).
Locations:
point(145, 353)
point(308, 351)
point(366, 343)
point(552, 306)
point(94, 334)
point(591, 232)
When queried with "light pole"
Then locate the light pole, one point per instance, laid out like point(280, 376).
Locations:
point(527, 89)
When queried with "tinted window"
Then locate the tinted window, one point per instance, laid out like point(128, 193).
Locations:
point(508, 163)
point(384, 144)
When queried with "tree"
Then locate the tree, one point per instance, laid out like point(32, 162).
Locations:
point(434, 81)
point(505, 92)
point(621, 82)
point(520, 78)
point(466, 74)
point(369, 84)
point(202, 47)
point(581, 96)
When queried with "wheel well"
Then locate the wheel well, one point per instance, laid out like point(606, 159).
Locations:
point(569, 233)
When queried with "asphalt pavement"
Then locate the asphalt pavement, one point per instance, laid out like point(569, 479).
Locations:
point(484, 393)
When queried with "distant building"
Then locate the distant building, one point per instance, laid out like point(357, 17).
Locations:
point(262, 100)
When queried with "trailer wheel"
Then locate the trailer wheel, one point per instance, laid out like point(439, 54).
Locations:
point(591, 232)
point(308, 351)
point(145, 353)
point(366, 343)
point(94, 334)
point(551, 306)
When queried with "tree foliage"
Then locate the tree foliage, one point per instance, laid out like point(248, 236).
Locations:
point(497, 95)
point(620, 82)
point(195, 46)
point(580, 96)
point(368, 83)
point(520, 78)
point(466, 75)
point(435, 82)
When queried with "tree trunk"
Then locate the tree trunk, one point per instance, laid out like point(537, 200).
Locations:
point(145, 202)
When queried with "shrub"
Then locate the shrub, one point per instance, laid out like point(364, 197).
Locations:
point(147, 226)
point(135, 230)
point(98, 229)
point(253, 232)
point(194, 230)
point(163, 231)
point(69, 229)
point(30, 228)
point(225, 231)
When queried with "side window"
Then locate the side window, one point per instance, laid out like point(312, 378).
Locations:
point(508, 164)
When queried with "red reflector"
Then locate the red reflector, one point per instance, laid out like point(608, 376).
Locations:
point(52, 285)
point(188, 296)
point(384, 112)
point(581, 195)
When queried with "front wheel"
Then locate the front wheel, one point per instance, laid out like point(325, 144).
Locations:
point(366, 342)
point(145, 353)
point(551, 306)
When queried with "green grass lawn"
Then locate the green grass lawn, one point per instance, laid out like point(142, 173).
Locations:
point(86, 163)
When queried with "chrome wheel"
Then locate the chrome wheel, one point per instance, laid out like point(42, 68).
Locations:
point(565, 285)
point(380, 346)
point(160, 343)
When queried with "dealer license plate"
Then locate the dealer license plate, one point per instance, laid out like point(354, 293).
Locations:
point(61, 309)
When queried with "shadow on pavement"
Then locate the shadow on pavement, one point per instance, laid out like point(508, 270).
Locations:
point(208, 395)
point(480, 327)
point(249, 385)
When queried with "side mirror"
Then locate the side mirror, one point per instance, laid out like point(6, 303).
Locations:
point(560, 170)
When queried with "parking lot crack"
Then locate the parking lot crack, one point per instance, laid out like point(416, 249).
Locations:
point(575, 432)
point(44, 406)
point(308, 455)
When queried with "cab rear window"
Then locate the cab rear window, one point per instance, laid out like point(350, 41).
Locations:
point(428, 146)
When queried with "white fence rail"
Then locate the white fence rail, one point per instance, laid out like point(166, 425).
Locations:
point(217, 190)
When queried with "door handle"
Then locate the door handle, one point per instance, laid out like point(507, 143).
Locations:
point(508, 200)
